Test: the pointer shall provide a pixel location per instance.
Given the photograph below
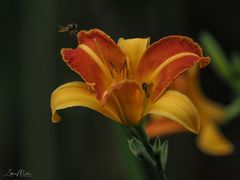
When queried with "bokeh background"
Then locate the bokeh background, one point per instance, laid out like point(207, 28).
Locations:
point(86, 145)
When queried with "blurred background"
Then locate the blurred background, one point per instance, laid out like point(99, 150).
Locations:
point(85, 145)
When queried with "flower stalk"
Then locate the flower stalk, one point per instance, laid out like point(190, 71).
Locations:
point(155, 155)
point(232, 111)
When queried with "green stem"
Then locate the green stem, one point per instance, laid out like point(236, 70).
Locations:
point(133, 168)
point(159, 172)
point(232, 111)
point(220, 61)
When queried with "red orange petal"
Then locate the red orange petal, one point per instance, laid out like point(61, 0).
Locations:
point(162, 127)
point(87, 67)
point(166, 59)
point(103, 46)
point(127, 95)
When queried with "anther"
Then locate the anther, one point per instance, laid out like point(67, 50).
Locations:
point(124, 65)
point(112, 70)
point(112, 65)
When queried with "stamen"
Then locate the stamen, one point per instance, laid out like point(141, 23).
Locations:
point(112, 65)
point(124, 64)
point(90, 87)
point(124, 71)
point(112, 70)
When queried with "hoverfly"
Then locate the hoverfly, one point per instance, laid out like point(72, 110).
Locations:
point(146, 87)
point(71, 28)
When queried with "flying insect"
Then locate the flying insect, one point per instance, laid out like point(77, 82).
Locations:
point(71, 28)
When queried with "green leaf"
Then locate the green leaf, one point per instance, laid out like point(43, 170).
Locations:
point(164, 154)
point(138, 149)
point(235, 57)
point(235, 83)
point(232, 111)
point(157, 146)
point(219, 59)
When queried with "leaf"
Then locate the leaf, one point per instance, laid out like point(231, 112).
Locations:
point(235, 83)
point(138, 149)
point(157, 146)
point(235, 57)
point(219, 59)
point(164, 154)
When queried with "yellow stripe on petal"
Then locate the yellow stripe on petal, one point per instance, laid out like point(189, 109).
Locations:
point(95, 57)
point(177, 107)
point(105, 48)
point(212, 141)
point(86, 66)
point(78, 94)
point(170, 60)
point(134, 49)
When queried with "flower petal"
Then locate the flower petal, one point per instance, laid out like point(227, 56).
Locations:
point(88, 65)
point(134, 49)
point(128, 97)
point(78, 94)
point(166, 59)
point(161, 126)
point(209, 110)
point(188, 84)
point(103, 46)
point(213, 142)
point(177, 107)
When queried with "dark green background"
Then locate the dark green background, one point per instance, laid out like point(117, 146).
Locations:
point(85, 144)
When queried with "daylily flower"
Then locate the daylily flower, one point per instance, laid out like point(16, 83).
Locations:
point(210, 139)
point(128, 80)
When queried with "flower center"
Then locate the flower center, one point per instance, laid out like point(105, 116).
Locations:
point(118, 75)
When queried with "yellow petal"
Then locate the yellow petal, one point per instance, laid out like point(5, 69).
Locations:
point(134, 49)
point(177, 107)
point(209, 109)
point(78, 94)
point(213, 142)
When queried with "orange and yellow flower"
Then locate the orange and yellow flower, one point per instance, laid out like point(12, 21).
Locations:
point(210, 139)
point(128, 80)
